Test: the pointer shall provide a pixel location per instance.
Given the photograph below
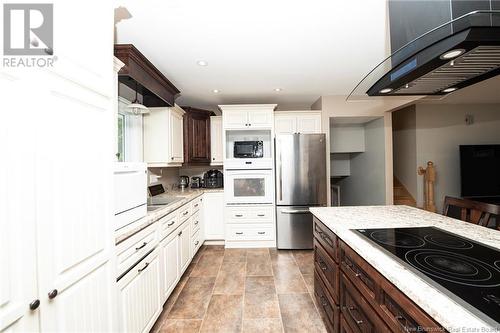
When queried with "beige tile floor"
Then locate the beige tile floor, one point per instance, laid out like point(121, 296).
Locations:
point(243, 290)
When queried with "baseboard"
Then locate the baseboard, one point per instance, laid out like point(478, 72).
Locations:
point(249, 244)
point(214, 242)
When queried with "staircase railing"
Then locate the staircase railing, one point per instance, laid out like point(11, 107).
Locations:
point(429, 174)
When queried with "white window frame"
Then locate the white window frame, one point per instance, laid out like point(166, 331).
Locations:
point(132, 136)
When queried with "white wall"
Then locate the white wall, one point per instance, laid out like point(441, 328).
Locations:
point(404, 146)
point(440, 129)
point(367, 183)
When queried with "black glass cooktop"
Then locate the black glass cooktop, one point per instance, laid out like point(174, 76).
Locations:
point(465, 268)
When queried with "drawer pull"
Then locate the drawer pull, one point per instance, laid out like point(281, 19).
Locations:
point(140, 247)
point(327, 239)
point(322, 265)
point(403, 323)
point(324, 302)
point(261, 232)
point(185, 213)
point(141, 269)
point(196, 205)
point(239, 233)
point(261, 215)
point(53, 293)
point(238, 215)
point(196, 222)
point(196, 243)
point(180, 233)
point(350, 309)
point(170, 224)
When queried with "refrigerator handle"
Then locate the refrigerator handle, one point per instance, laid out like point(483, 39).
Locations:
point(280, 177)
point(295, 211)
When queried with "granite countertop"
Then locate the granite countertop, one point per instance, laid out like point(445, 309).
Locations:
point(453, 316)
point(186, 196)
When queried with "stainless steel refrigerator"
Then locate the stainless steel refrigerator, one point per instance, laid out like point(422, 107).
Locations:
point(300, 183)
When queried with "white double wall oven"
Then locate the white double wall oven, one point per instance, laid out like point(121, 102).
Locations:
point(249, 187)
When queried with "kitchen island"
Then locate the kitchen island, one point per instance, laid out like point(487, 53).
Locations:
point(387, 293)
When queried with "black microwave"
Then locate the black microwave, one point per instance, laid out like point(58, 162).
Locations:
point(248, 149)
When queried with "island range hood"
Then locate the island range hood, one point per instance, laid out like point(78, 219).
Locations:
point(452, 56)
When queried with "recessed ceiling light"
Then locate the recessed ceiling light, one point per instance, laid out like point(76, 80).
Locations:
point(216, 91)
point(449, 90)
point(277, 89)
point(385, 90)
point(452, 54)
point(202, 63)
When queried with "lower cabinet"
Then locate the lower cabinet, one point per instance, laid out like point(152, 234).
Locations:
point(213, 215)
point(352, 296)
point(169, 257)
point(184, 246)
point(139, 295)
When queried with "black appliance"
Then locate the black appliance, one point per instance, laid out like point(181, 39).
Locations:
point(213, 179)
point(479, 171)
point(468, 271)
point(196, 182)
point(451, 56)
point(248, 149)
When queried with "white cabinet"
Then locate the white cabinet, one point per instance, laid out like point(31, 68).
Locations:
point(305, 122)
point(170, 266)
point(249, 116)
point(213, 215)
point(216, 147)
point(163, 137)
point(184, 246)
point(140, 300)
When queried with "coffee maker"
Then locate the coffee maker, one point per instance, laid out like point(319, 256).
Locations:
point(213, 179)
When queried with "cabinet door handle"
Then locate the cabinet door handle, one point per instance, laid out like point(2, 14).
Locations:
point(238, 215)
point(197, 242)
point(53, 293)
point(196, 222)
point(350, 309)
point(196, 205)
point(213, 158)
point(322, 265)
point(172, 158)
point(185, 213)
point(180, 233)
point(140, 247)
point(327, 239)
point(170, 224)
point(248, 162)
point(239, 233)
point(261, 215)
point(141, 269)
point(261, 232)
point(403, 323)
point(35, 304)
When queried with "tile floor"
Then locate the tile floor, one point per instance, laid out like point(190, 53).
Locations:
point(244, 290)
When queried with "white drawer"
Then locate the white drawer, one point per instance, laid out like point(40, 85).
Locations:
point(254, 214)
point(196, 204)
point(195, 222)
point(184, 212)
point(168, 224)
point(134, 248)
point(249, 232)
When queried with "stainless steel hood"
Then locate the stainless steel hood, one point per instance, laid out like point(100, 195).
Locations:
point(452, 56)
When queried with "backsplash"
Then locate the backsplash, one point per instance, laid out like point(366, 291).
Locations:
point(169, 177)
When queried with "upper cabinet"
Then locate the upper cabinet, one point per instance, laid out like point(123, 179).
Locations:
point(216, 146)
point(297, 122)
point(196, 136)
point(248, 116)
point(163, 137)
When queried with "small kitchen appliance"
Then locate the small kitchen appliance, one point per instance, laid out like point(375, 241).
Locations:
point(248, 149)
point(213, 179)
point(466, 270)
point(196, 182)
point(183, 182)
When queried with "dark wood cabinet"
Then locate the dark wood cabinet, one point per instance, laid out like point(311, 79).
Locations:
point(196, 136)
point(352, 296)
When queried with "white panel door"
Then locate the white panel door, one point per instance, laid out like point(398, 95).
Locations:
point(140, 301)
point(260, 118)
point(169, 257)
point(213, 215)
point(176, 137)
point(216, 140)
point(18, 285)
point(235, 119)
point(74, 175)
point(309, 124)
point(184, 245)
point(285, 124)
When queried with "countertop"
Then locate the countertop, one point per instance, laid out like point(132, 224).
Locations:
point(451, 315)
point(186, 194)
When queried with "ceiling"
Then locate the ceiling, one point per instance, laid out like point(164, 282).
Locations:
point(308, 49)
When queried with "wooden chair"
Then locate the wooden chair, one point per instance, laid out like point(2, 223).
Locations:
point(476, 212)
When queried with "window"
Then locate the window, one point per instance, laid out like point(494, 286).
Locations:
point(120, 152)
